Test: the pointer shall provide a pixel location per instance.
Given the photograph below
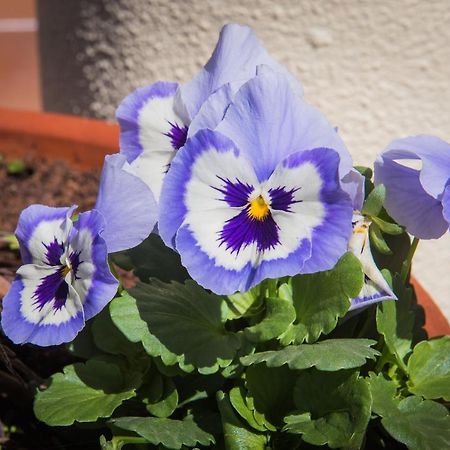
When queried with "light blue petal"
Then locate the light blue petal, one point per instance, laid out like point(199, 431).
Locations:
point(268, 122)
point(353, 185)
point(103, 285)
point(33, 216)
point(406, 201)
point(435, 156)
point(127, 205)
point(234, 60)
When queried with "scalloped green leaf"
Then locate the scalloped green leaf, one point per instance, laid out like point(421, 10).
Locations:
point(83, 393)
point(170, 433)
point(242, 304)
point(384, 394)
point(374, 201)
point(167, 403)
point(183, 324)
point(279, 315)
point(429, 369)
point(320, 299)
point(236, 435)
point(419, 424)
point(270, 392)
point(333, 408)
point(395, 321)
point(239, 402)
point(126, 316)
point(329, 355)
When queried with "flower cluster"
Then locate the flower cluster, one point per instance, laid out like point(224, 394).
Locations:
point(238, 174)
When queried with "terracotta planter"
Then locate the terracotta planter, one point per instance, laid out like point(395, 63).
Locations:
point(83, 143)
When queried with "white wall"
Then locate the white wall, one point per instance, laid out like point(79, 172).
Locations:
point(378, 69)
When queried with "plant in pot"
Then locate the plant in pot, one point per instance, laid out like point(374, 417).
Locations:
point(274, 308)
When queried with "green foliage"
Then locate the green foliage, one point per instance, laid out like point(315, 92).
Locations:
point(395, 321)
point(16, 167)
point(429, 369)
point(279, 315)
point(83, 393)
point(374, 201)
point(332, 408)
point(328, 355)
point(235, 434)
point(171, 433)
point(320, 299)
point(180, 323)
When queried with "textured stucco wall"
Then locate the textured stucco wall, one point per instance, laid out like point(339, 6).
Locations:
point(378, 69)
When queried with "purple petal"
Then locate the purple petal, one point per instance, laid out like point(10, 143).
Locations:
point(151, 131)
point(406, 201)
point(268, 122)
point(234, 60)
point(353, 184)
point(38, 228)
point(435, 156)
point(22, 321)
point(94, 282)
point(127, 205)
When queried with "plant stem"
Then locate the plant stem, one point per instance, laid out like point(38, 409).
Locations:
point(407, 263)
point(118, 441)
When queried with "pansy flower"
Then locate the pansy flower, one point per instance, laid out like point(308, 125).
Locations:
point(417, 197)
point(375, 288)
point(65, 278)
point(260, 196)
point(156, 120)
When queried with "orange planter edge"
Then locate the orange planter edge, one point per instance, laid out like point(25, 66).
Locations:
point(84, 143)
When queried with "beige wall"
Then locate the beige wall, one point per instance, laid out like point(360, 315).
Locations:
point(378, 69)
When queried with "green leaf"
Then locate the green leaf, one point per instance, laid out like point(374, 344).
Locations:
point(16, 167)
point(152, 258)
point(236, 435)
point(83, 393)
point(239, 402)
point(168, 432)
point(366, 172)
point(388, 227)
point(182, 323)
point(429, 369)
point(242, 304)
point(377, 239)
point(271, 392)
point(374, 201)
point(419, 424)
point(168, 401)
point(108, 338)
point(320, 299)
point(395, 321)
point(384, 393)
point(329, 355)
point(279, 315)
point(126, 316)
point(333, 408)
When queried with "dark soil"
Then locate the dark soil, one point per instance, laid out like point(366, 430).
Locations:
point(24, 368)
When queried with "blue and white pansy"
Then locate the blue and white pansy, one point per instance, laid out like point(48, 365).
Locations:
point(260, 196)
point(375, 288)
point(156, 120)
point(65, 278)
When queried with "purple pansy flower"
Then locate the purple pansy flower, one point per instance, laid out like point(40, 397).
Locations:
point(260, 196)
point(418, 199)
point(375, 288)
point(156, 120)
point(65, 278)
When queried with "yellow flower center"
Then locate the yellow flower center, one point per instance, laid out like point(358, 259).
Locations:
point(65, 271)
point(258, 208)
